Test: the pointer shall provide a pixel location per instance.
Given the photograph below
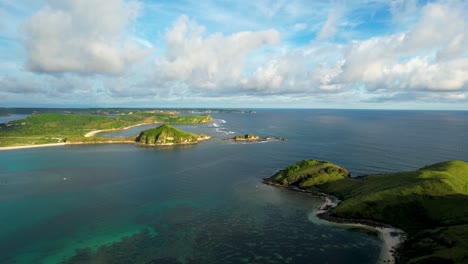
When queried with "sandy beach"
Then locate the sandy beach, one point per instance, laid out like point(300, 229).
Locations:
point(100, 142)
point(89, 134)
point(33, 146)
point(391, 237)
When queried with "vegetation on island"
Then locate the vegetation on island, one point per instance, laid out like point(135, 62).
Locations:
point(430, 203)
point(166, 134)
point(308, 173)
point(252, 137)
point(53, 128)
point(247, 137)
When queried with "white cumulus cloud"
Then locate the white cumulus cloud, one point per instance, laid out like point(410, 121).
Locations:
point(430, 56)
point(423, 58)
point(82, 36)
point(212, 61)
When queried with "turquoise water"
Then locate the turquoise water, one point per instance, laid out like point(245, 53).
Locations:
point(205, 203)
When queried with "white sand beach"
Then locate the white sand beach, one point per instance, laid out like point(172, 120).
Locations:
point(33, 146)
point(391, 237)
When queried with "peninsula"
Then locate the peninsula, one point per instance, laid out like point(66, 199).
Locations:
point(429, 204)
point(52, 128)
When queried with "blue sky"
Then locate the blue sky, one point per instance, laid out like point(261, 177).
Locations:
point(292, 54)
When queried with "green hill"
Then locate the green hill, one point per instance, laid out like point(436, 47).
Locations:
point(307, 173)
point(430, 204)
point(166, 134)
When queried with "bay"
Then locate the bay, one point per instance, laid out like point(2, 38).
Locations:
point(205, 203)
point(12, 117)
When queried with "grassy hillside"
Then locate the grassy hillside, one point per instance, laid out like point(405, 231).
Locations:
point(51, 127)
point(166, 134)
point(430, 204)
point(57, 125)
point(159, 117)
point(307, 173)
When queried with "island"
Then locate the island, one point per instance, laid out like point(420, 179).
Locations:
point(168, 135)
point(428, 204)
point(48, 129)
point(253, 138)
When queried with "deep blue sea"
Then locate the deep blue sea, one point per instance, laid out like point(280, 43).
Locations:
point(205, 203)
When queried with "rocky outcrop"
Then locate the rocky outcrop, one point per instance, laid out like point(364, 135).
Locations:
point(252, 138)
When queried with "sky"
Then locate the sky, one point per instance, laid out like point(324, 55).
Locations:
point(364, 54)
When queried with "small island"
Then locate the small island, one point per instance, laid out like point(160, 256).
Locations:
point(253, 138)
point(167, 135)
point(428, 204)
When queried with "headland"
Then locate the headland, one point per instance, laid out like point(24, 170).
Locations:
point(420, 215)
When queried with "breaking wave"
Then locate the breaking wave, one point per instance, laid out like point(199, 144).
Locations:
point(219, 125)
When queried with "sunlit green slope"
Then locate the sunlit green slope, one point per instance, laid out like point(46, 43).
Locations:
point(430, 204)
point(166, 134)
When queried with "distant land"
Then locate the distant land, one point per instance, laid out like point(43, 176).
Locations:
point(80, 128)
point(118, 111)
point(429, 204)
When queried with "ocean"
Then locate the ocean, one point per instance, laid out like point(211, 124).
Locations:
point(205, 203)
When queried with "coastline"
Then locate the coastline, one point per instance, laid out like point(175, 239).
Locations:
point(98, 143)
point(173, 144)
point(93, 133)
point(33, 146)
point(392, 237)
point(89, 134)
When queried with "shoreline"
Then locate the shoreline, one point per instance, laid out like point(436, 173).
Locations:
point(173, 144)
point(99, 143)
point(33, 146)
point(93, 133)
point(392, 237)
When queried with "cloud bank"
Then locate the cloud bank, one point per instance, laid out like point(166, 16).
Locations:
point(427, 57)
point(82, 36)
point(356, 53)
point(211, 62)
